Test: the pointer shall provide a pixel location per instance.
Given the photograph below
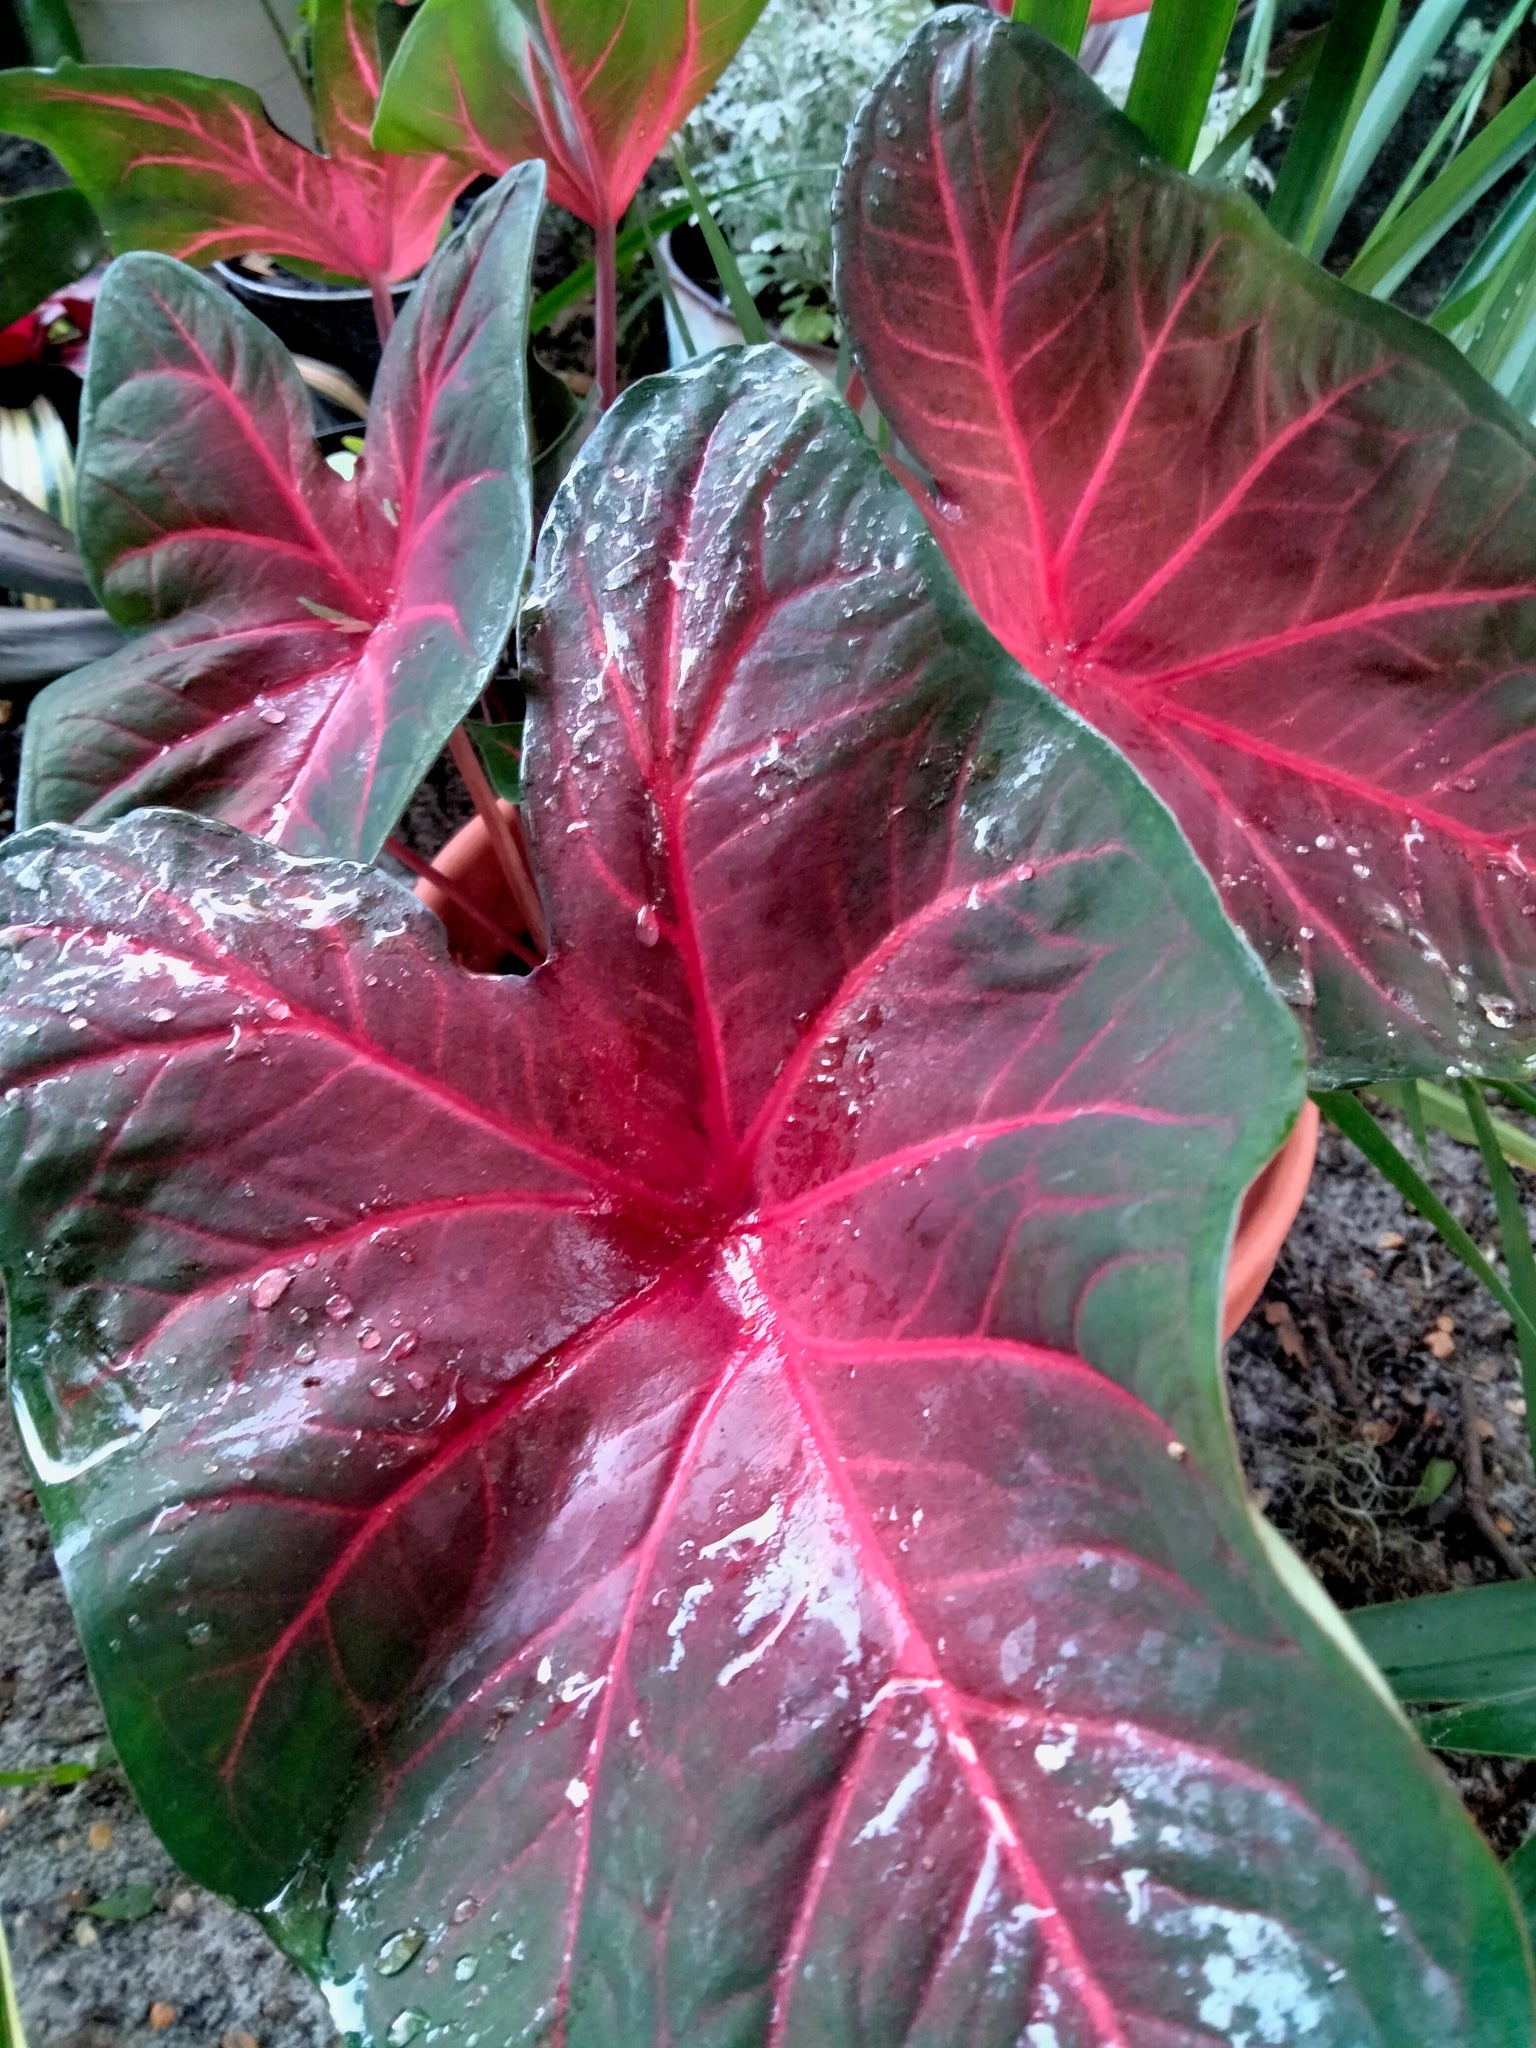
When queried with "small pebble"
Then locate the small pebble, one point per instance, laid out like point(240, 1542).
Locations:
point(183, 1902)
point(162, 2015)
point(85, 1934)
point(1439, 1343)
point(100, 1834)
point(1176, 1451)
point(1516, 1404)
point(1390, 1241)
point(237, 2037)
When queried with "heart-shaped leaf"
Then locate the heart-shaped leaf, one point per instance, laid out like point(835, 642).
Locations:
point(594, 87)
point(192, 166)
point(303, 646)
point(1275, 539)
point(643, 1503)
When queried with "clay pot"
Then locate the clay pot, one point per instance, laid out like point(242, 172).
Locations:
point(1269, 1208)
point(1268, 1211)
point(469, 865)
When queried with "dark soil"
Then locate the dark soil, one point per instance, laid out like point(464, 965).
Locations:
point(1340, 1403)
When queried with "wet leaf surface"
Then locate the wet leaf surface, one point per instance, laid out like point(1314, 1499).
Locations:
point(687, 1496)
point(302, 646)
point(1271, 537)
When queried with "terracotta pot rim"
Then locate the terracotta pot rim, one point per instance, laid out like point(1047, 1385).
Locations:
point(1269, 1207)
point(1264, 1221)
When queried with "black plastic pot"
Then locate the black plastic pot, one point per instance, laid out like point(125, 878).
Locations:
point(332, 323)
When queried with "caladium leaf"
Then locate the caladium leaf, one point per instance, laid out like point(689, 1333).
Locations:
point(651, 1502)
point(302, 645)
point(594, 87)
point(1272, 537)
point(193, 167)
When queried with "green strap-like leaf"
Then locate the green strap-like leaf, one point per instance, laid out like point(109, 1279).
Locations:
point(1392, 252)
point(1357, 42)
point(1171, 89)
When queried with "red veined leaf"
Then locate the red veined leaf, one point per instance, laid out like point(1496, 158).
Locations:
point(1273, 538)
point(302, 646)
point(651, 1502)
point(193, 167)
point(594, 87)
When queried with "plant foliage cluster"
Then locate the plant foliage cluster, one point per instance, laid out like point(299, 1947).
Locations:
point(681, 1489)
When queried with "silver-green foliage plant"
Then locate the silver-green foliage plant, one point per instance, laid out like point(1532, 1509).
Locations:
point(778, 123)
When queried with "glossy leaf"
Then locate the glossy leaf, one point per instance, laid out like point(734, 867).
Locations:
point(686, 1497)
point(1275, 540)
point(1469, 1655)
point(302, 646)
point(193, 167)
point(594, 87)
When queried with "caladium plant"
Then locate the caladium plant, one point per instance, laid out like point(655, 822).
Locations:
point(193, 167)
point(593, 87)
point(1274, 538)
point(302, 645)
point(686, 1496)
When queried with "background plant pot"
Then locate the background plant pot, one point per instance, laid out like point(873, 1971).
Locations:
point(220, 38)
point(711, 325)
point(329, 323)
point(1268, 1211)
point(468, 862)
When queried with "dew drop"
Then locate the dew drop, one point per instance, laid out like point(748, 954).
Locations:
point(306, 1354)
point(370, 1340)
point(465, 1910)
point(270, 715)
point(199, 1633)
point(401, 1950)
point(162, 1015)
point(381, 1389)
point(271, 1287)
point(338, 1307)
point(466, 1969)
point(647, 928)
point(406, 2027)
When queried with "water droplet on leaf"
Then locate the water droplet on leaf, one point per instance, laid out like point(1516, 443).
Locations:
point(400, 1950)
point(271, 1287)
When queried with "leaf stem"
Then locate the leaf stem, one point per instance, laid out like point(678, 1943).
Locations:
point(607, 262)
point(383, 308)
point(289, 54)
point(513, 866)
